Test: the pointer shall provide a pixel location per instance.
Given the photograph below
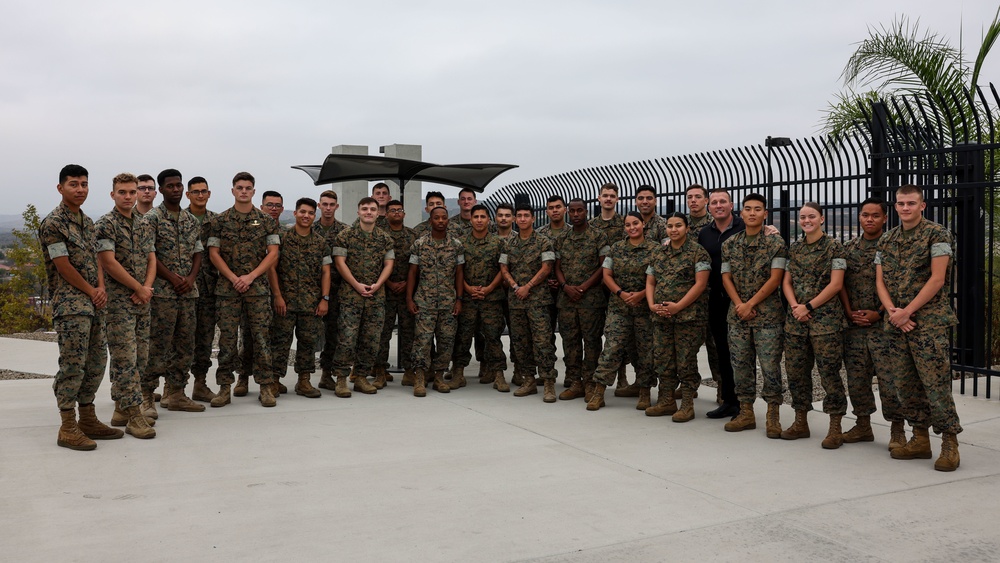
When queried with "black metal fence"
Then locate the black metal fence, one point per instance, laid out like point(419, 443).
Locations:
point(950, 149)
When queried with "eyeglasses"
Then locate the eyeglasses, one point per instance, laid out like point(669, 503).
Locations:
point(274, 206)
point(198, 193)
point(146, 188)
point(395, 211)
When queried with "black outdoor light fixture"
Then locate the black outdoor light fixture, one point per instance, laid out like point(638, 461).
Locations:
point(771, 142)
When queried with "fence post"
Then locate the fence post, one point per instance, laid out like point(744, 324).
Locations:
point(880, 146)
point(970, 259)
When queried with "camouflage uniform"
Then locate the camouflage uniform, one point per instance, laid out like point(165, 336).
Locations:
point(206, 312)
point(435, 297)
point(329, 336)
point(530, 326)
point(242, 240)
point(127, 329)
point(920, 361)
point(457, 227)
point(246, 349)
point(655, 230)
point(821, 339)
point(676, 339)
point(300, 276)
point(750, 260)
point(628, 327)
point(552, 234)
point(359, 325)
point(395, 303)
point(613, 228)
point(863, 344)
point(696, 224)
point(481, 315)
point(173, 317)
point(79, 325)
point(581, 323)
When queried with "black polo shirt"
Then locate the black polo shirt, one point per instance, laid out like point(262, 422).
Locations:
point(711, 238)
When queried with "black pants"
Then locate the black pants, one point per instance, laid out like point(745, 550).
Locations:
point(718, 309)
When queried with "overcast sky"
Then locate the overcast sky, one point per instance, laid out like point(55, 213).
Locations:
point(212, 88)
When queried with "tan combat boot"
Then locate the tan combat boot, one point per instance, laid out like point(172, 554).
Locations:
point(631, 390)
point(686, 412)
point(380, 378)
point(242, 383)
point(326, 381)
point(93, 428)
point(949, 460)
point(138, 425)
point(304, 387)
point(180, 402)
point(575, 391)
point(440, 385)
point(799, 428)
point(745, 420)
point(222, 398)
point(341, 389)
point(120, 416)
point(588, 390)
point(278, 388)
point(861, 432)
point(148, 406)
point(897, 435)
point(644, 399)
point(596, 398)
point(420, 383)
point(362, 385)
point(665, 403)
point(266, 396)
point(408, 377)
point(835, 436)
point(679, 393)
point(517, 378)
point(550, 391)
point(919, 446)
point(457, 378)
point(772, 424)
point(622, 381)
point(488, 377)
point(70, 435)
point(200, 391)
point(528, 387)
point(165, 397)
point(499, 383)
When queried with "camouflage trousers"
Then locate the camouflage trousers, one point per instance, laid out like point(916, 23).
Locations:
point(359, 328)
point(396, 313)
point(330, 332)
point(305, 326)
point(258, 312)
point(531, 341)
point(862, 345)
point(128, 346)
point(437, 327)
point(920, 364)
point(83, 355)
point(581, 331)
point(174, 322)
point(747, 344)
point(486, 318)
point(675, 353)
point(628, 335)
point(204, 335)
point(826, 352)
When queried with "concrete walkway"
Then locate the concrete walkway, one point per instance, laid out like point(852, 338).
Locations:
point(476, 475)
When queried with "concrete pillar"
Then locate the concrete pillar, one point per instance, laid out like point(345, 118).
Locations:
point(413, 202)
point(349, 193)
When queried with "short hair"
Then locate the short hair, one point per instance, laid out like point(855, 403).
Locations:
point(874, 201)
point(169, 172)
point(394, 202)
point(305, 201)
point(755, 197)
point(467, 189)
point(74, 171)
point(427, 198)
point(635, 214)
point(480, 207)
point(366, 201)
point(814, 205)
point(272, 193)
point(380, 185)
point(910, 189)
point(609, 186)
point(329, 193)
point(555, 198)
point(144, 178)
point(678, 215)
point(244, 176)
point(124, 178)
point(721, 191)
point(505, 205)
point(445, 209)
point(524, 207)
point(192, 181)
point(703, 189)
point(578, 200)
point(646, 188)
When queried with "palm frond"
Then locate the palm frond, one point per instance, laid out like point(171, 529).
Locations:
point(989, 38)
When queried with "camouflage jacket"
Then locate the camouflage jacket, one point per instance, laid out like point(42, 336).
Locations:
point(695, 225)
point(242, 240)
point(523, 259)
point(614, 228)
point(905, 257)
point(579, 256)
point(628, 264)
point(859, 279)
point(64, 233)
point(402, 242)
point(810, 266)
point(750, 263)
point(300, 269)
point(131, 239)
point(674, 270)
point(364, 255)
point(330, 234)
point(482, 263)
point(208, 276)
point(437, 261)
point(177, 241)
point(656, 229)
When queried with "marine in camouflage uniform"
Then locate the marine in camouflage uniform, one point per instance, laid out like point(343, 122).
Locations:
point(482, 266)
point(530, 325)
point(749, 261)
point(628, 326)
point(436, 266)
point(330, 233)
point(655, 229)
point(820, 339)
point(613, 228)
point(695, 225)
point(129, 240)
point(553, 283)
point(396, 312)
point(206, 312)
point(78, 322)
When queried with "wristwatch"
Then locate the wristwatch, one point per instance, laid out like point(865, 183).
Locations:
point(326, 298)
point(619, 292)
point(809, 307)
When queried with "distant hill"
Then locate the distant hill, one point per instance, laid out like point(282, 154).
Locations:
point(7, 224)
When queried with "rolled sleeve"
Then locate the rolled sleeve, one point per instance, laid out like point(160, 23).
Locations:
point(327, 260)
point(105, 245)
point(702, 267)
point(414, 259)
point(608, 263)
point(501, 260)
point(390, 255)
point(460, 259)
point(604, 250)
point(198, 247)
point(339, 251)
point(838, 264)
point(725, 268)
point(548, 256)
point(213, 241)
point(649, 270)
point(878, 258)
point(940, 249)
point(273, 239)
point(58, 250)
point(779, 263)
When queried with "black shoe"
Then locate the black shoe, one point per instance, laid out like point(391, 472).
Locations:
point(725, 411)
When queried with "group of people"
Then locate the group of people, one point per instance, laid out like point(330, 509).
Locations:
point(639, 289)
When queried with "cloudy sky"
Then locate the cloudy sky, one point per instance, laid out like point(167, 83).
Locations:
point(213, 87)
